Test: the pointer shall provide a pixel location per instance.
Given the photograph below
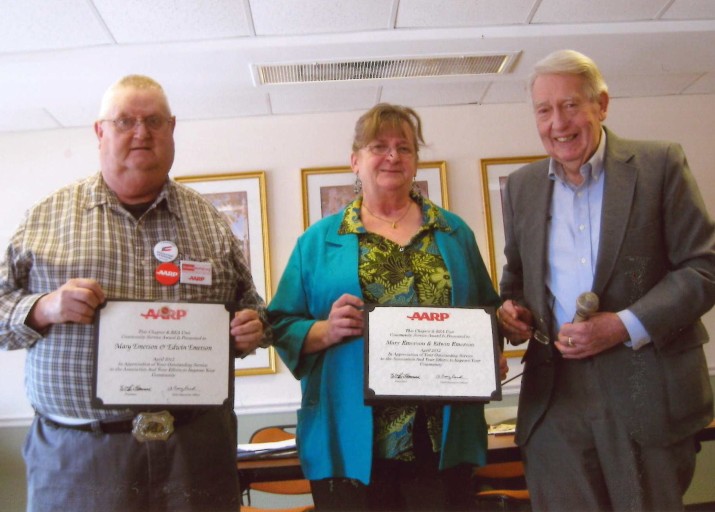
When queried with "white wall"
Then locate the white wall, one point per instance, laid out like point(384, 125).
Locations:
point(34, 164)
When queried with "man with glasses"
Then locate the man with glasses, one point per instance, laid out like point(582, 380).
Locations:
point(610, 403)
point(119, 235)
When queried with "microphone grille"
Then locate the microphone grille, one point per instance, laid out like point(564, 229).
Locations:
point(587, 301)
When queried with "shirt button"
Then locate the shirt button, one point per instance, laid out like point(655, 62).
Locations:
point(581, 227)
point(583, 261)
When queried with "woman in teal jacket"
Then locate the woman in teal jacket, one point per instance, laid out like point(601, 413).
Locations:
point(411, 252)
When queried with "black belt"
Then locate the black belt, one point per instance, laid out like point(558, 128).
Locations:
point(126, 425)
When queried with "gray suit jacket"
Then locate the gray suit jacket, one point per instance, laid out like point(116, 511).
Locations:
point(656, 257)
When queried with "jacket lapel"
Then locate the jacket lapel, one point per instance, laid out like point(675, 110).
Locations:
point(618, 193)
point(536, 225)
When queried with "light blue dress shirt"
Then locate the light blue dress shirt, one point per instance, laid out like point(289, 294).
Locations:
point(574, 230)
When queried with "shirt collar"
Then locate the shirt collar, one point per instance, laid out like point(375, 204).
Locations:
point(592, 168)
point(101, 194)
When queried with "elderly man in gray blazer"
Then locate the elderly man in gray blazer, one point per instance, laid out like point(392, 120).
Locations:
point(609, 405)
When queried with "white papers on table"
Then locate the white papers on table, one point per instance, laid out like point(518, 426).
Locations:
point(502, 428)
point(252, 450)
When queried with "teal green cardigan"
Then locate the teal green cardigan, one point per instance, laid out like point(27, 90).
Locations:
point(335, 430)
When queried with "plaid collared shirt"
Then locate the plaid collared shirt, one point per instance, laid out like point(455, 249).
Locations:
point(82, 231)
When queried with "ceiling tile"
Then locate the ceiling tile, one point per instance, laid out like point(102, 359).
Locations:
point(627, 86)
point(300, 100)
point(462, 13)
point(434, 94)
point(74, 113)
point(29, 25)
point(139, 21)
point(212, 104)
point(21, 120)
point(506, 92)
point(704, 85)
point(278, 17)
point(690, 10)
point(45, 83)
point(588, 11)
point(206, 50)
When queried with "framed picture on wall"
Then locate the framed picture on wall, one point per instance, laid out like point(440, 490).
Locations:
point(241, 199)
point(327, 190)
point(261, 361)
point(494, 175)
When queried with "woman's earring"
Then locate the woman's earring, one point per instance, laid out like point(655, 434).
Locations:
point(358, 185)
point(416, 190)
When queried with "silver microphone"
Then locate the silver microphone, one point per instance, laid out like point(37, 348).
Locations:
point(586, 305)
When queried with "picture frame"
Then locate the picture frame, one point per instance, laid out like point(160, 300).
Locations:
point(261, 361)
point(326, 190)
point(494, 174)
point(241, 198)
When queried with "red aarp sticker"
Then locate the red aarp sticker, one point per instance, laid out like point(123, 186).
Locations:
point(167, 274)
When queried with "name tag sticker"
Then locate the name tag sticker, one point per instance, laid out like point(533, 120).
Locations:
point(196, 272)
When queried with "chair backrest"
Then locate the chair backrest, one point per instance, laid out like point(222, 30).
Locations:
point(268, 435)
point(500, 471)
point(502, 484)
point(271, 434)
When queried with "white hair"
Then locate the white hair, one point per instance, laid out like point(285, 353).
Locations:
point(131, 82)
point(570, 62)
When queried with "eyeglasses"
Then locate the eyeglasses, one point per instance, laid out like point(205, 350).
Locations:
point(540, 337)
point(384, 150)
point(126, 124)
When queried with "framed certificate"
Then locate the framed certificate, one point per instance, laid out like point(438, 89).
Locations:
point(151, 354)
point(437, 354)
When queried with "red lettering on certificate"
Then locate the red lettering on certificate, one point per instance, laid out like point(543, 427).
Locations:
point(429, 316)
point(164, 313)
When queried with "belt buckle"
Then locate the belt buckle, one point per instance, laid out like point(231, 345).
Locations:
point(153, 426)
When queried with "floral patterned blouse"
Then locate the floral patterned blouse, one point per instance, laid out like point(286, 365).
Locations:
point(402, 275)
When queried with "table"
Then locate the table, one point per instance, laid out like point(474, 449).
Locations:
point(501, 449)
point(706, 434)
point(269, 469)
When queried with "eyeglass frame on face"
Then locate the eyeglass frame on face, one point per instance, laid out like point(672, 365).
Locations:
point(149, 122)
point(380, 149)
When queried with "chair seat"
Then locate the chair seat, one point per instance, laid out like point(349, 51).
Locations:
point(515, 494)
point(501, 486)
point(283, 487)
point(249, 508)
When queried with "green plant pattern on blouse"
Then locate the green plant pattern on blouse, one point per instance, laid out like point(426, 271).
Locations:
point(411, 275)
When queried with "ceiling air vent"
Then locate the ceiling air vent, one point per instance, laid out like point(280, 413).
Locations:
point(385, 68)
